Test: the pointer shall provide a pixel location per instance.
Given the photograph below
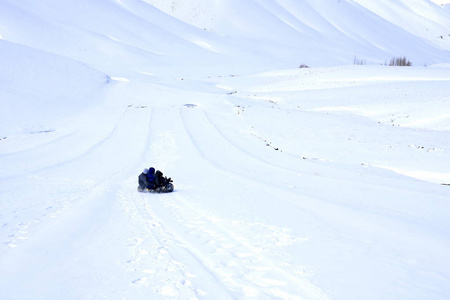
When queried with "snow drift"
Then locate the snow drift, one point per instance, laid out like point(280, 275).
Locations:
point(40, 88)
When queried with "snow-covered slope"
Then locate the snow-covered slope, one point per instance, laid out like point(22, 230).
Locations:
point(264, 34)
point(324, 32)
point(328, 182)
point(38, 88)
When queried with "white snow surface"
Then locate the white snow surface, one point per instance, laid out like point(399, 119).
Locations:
point(328, 182)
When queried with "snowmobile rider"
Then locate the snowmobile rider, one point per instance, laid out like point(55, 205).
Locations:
point(151, 179)
point(160, 180)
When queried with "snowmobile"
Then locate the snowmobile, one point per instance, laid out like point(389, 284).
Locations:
point(167, 188)
point(165, 185)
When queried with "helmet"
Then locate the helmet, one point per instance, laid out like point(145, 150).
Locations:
point(152, 170)
point(145, 171)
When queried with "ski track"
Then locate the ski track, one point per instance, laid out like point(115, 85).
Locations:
point(150, 262)
point(196, 241)
point(243, 264)
point(182, 235)
point(54, 186)
point(259, 159)
point(227, 250)
point(38, 158)
point(201, 132)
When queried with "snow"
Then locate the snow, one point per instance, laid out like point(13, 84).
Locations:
point(328, 182)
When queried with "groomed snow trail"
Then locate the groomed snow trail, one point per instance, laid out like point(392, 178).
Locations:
point(75, 231)
point(100, 238)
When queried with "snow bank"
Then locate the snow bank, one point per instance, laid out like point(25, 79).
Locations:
point(39, 88)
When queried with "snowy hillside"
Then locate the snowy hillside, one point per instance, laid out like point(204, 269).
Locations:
point(328, 182)
point(234, 35)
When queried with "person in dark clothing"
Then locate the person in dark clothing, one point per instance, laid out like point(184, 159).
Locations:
point(160, 180)
point(143, 181)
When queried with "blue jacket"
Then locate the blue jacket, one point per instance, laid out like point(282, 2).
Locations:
point(151, 178)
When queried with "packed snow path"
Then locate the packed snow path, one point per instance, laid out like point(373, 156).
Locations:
point(166, 245)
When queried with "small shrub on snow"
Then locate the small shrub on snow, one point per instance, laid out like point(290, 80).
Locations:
point(400, 61)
